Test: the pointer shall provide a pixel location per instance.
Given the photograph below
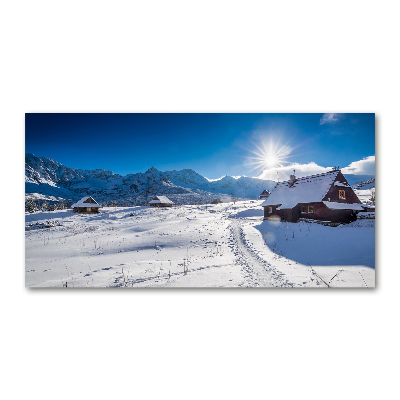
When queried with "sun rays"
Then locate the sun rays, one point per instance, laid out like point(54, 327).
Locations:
point(269, 154)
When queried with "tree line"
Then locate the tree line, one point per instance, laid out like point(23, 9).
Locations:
point(32, 205)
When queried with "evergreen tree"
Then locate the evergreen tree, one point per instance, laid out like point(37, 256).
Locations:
point(31, 206)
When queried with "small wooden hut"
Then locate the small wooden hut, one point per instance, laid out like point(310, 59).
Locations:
point(265, 194)
point(161, 201)
point(86, 205)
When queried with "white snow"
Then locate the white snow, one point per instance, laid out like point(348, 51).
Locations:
point(161, 199)
point(81, 203)
point(343, 206)
point(342, 184)
point(310, 189)
point(227, 176)
point(364, 194)
point(223, 245)
point(37, 196)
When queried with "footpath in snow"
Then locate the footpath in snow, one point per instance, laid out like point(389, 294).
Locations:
point(224, 245)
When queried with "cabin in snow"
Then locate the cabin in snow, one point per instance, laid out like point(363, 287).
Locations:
point(87, 204)
point(216, 201)
point(161, 201)
point(265, 194)
point(326, 197)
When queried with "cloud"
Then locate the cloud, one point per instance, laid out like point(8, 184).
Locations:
point(301, 170)
point(366, 166)
point(330, 118)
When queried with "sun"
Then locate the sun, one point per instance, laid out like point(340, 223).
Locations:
point(269, 154)
point(271, 160)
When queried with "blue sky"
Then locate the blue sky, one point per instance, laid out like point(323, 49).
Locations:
point(212, 144)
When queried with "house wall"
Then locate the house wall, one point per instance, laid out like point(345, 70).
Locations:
point(293, 214)
point(343, 215)
point(277, 214)
point(333, 193)
point(86, 209)
point(321, 213)
point(90, 200)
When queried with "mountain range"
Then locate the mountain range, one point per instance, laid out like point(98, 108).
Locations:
point(47, 179)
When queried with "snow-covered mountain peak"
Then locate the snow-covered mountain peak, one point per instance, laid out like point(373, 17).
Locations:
point(152, 170)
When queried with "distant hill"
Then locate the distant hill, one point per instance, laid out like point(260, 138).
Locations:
point(356, 179)
point(365, 190)
point(367, 184)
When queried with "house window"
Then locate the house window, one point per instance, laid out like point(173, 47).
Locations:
point(307, 209)
point(269, 210)
point(342, 195)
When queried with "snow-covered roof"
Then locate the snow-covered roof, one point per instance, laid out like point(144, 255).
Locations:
point(368, 206)
point(161, 199)
point(309, 189)
point(81, 203)
point(343, 206)
point(337, 183)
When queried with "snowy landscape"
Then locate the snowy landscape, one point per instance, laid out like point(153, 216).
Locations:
point(286, 224)
point(223, 245)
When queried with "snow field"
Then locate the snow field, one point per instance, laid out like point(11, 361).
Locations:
point(155, 247)
point(224, 245)
point(364, 194)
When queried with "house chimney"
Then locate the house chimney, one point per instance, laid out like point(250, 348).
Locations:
point(292, 179)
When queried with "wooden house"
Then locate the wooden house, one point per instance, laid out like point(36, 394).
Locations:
point(87, 205)
point(161, 201)
point(216, 201)
point(326, 197)
point(265, 194)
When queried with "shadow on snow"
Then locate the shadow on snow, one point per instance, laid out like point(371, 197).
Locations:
point(318, 245)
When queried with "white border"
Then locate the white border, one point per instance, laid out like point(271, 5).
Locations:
point(215, 56)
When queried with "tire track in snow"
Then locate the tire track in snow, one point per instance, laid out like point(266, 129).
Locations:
point(257, 271)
